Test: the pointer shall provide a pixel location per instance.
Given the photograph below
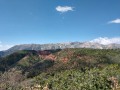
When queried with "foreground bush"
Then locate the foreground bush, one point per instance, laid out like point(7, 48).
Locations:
point(90, 79)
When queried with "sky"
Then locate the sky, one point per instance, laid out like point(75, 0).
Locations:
point(55, 21)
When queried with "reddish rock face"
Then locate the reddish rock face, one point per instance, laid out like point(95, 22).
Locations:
point(44, 52)
point(50, 57)
point(46, 55)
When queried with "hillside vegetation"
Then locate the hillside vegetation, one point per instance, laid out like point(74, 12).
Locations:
point(66, 69)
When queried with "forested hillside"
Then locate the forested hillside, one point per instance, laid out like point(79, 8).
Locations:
point(66, 69)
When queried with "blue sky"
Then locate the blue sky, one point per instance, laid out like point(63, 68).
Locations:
point(52, 21)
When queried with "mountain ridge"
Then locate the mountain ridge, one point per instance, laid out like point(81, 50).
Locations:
point(53, 46)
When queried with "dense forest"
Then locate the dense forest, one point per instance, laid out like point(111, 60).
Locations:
point(61, 69)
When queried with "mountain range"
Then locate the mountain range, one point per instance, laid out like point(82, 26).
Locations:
point(58, 46)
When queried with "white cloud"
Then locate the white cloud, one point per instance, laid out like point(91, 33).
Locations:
point(106, 40)
point(4, 47)
point(117, 21)
point(63, 9)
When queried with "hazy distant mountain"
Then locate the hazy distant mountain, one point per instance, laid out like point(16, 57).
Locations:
point(58, 46)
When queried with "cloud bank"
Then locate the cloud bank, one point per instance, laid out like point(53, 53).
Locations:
point(63, 9)
point(116, 21)
point(106, 40)
point(4, 47)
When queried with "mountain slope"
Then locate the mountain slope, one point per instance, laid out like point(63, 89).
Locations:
point(31, 60)
point(68, 69)
point(58, 46)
